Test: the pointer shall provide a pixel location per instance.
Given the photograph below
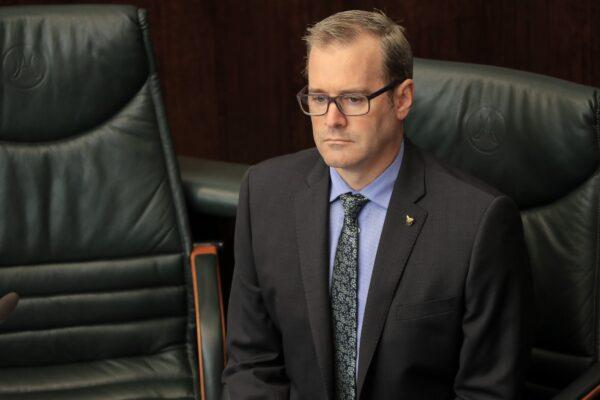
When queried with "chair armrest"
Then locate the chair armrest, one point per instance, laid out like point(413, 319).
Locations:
point(586, 387)
point(211, 187)
point(210, 319)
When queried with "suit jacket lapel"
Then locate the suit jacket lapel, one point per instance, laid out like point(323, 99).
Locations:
point(312, 217)
point(395, 246)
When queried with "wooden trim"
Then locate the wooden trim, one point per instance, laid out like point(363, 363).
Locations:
point(593, 394)
point(201, 249)
point(212, 249)
point(204, 249)
point(221, 307)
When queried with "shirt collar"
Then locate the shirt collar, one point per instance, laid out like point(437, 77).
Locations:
point(379, 191)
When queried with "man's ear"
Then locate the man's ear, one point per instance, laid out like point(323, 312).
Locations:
point(403, 98)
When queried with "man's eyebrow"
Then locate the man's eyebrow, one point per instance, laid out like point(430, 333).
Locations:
point(356, 90)
point(345, 91)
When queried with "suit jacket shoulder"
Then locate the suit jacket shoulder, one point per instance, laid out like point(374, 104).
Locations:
point(439, 172)
point(277, 181)
point(295, 166)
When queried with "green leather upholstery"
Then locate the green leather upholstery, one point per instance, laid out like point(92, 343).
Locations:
point(93, 233)
point(211, 187)
point(535, 138)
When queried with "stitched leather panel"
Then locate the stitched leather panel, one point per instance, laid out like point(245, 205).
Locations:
point(561, 242)
point(96, 342)
point(108, 183)
point(59, 312)
point(160, 376)
point(91, 276)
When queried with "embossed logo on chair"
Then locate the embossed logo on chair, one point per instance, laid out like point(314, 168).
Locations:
point(24, 68)
point(485, 128)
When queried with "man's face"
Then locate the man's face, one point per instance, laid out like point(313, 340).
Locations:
point(356, 144)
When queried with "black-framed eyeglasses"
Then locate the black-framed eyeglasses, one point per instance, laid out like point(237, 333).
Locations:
point(350, 104)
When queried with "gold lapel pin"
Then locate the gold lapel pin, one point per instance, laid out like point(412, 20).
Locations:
point(409, 220)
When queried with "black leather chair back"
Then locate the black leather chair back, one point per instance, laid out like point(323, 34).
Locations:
point(93, 234)
point(535, 138)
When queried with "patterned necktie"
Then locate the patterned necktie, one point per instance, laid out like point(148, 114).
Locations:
point(344, 296)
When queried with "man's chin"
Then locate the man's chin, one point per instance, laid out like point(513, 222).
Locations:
point(337, 157)
point(334, 162)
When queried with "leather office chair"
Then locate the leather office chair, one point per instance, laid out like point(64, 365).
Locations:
point(535, 138)
point(93, 229)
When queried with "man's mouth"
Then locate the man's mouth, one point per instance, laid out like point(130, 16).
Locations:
point(335, 141)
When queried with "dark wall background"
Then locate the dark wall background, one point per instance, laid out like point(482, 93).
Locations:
point(230, 69)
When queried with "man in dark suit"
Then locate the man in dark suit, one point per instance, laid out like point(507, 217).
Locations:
point(365, 269)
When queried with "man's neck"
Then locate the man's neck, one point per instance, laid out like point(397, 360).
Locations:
point(359, 178)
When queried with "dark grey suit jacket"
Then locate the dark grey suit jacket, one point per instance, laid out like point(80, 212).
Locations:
point(446, 314)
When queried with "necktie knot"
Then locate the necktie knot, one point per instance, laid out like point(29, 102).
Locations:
point(352, 204)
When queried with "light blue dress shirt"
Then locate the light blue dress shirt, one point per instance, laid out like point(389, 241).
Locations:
point(370, 223)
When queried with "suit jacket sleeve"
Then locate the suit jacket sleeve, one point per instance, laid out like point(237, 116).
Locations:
point(495, 350)
point(255, 367)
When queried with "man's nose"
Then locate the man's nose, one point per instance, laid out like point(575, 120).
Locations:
point(334, 117)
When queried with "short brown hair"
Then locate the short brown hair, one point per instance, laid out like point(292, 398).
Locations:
point(345, 26)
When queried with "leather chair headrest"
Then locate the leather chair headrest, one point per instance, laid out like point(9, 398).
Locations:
point(533, 137)
point(62, 75)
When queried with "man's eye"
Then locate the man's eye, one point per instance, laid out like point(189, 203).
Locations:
point(319, 99)
point(355, 99)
